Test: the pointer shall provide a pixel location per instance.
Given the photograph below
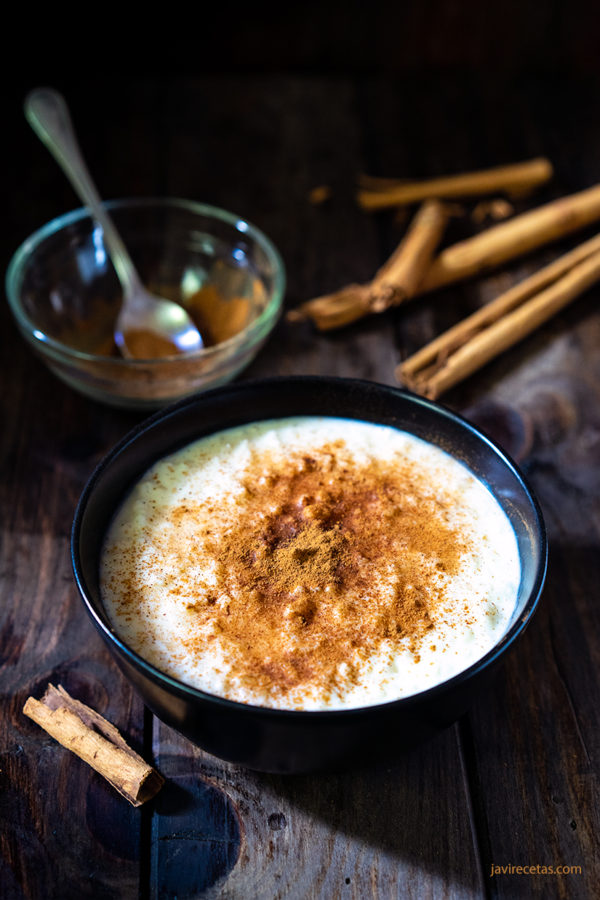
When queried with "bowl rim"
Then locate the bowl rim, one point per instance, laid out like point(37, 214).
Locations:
point(18, 263)
point(191, 692)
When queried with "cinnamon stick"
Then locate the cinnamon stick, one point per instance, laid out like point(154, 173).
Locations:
point(396, 281)
point(496, 210)
point(515, 179)
point(476, 340)
point(95, 740)
point(513, 238)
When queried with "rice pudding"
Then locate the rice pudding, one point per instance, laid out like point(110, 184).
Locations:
point(310, 563)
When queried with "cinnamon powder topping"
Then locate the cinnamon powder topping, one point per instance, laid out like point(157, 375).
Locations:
point(310, 563)
point(327, 563)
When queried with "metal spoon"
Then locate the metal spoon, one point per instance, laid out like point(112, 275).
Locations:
point(167, 325)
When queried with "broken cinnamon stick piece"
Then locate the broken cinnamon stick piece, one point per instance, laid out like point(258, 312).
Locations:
point(334, 310)
point(496, 210)
point(476, 340)
point(319, 194)
point(514, 180)
point(397, 280)
point(513, 238)
point(95, 740)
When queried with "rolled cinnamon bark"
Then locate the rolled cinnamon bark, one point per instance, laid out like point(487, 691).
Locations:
point(514, 179)
point(396, 281)
point(472, 343)
point(513, 238)
point(84, 731)
point(445, 344)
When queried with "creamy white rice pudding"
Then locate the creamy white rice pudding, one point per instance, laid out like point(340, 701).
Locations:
point(310, 563)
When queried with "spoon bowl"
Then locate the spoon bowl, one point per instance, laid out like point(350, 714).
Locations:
point(147, 326)
point(150, 327)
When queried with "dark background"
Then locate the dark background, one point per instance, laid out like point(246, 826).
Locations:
point(448, 62)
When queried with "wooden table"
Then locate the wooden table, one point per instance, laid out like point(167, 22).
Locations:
point(515, 782)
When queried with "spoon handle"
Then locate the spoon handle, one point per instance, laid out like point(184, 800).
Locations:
point(48, 115)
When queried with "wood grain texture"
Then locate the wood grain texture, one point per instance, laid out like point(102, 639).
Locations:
point(370, 833)
point(516, 781)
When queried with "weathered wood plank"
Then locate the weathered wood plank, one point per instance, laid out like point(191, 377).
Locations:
point(402, 831)
point(537, 755)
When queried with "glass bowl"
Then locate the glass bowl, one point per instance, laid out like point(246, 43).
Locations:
point(65, 296)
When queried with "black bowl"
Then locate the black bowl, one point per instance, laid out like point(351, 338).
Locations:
point(276, 740)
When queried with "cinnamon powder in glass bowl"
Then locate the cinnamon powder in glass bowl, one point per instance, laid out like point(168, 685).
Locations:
point(65, 296)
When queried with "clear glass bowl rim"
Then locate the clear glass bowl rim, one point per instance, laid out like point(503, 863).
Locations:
point(21, 257)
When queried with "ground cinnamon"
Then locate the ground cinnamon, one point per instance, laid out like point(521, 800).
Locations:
point(145, 344)
point(311, 556)
point(218, 315)
point(301, 575)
